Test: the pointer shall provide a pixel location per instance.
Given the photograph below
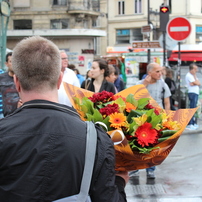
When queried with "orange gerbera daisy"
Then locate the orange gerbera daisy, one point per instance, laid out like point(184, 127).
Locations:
point(146, 135)
point(130, 106)
point(117, 120)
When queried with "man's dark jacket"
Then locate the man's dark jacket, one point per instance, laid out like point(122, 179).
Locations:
point(42, 152)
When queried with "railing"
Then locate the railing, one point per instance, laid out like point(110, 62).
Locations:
point(84, 5)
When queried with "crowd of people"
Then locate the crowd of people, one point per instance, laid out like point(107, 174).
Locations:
point(42, 137)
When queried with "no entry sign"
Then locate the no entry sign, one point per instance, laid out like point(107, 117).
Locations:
point(178, 28)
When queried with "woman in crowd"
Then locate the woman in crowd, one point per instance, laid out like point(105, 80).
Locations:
point(99, 72)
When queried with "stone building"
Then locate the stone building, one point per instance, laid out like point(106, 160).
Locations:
point(93, 28)
point(71, 24)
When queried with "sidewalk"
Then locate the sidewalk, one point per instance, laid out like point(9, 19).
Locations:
point(198, 130)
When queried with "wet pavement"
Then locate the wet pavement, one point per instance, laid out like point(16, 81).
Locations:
point(178, 178)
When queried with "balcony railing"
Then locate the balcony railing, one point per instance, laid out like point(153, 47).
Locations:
point(84, 5)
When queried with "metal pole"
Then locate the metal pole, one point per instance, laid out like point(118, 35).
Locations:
point(148, 21)
point(179, 76)
point(164, 48)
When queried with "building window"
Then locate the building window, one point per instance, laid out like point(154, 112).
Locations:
point(198, 34)
point(59, 2)
point(138, 6)
point(59, 24)
point(121, 7)
point(85, 24)
point(22, 24)
point(122, 36)
point(96, 5)
point(127, 36)
point(136, 35)
point(96, 22)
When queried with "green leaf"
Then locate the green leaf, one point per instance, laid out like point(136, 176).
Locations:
point(132, 127)
point(143, 150)
point(97, 116)
point(133, 113)
point(166, 133)
point(143, 102)
point(107, 123)
point(163, 139)
point(156, 120)
point(130, 98)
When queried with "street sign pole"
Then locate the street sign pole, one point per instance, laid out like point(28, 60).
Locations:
point(148, 20)
point(164, 48)
point(179, 75)
point(179, 29)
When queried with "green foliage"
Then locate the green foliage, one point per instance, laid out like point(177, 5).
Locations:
point(143, 102)
point(143, 150)
point(130, 98)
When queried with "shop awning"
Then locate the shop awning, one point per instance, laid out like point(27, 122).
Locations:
point(185, 56)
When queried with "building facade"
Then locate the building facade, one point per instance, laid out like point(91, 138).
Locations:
point(73, 25)
point(128, 17)
point(93, 28)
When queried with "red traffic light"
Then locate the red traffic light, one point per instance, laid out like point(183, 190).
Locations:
point(164, 9)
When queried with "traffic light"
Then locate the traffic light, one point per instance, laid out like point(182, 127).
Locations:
point(164, 17)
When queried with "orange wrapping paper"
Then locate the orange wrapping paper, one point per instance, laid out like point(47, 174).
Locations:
point(126, 159)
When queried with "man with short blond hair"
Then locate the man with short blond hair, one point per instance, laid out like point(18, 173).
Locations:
point(43, 143)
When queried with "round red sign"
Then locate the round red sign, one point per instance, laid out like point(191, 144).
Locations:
point(178, 28)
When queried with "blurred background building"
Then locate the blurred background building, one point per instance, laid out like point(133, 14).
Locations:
point(94, 28)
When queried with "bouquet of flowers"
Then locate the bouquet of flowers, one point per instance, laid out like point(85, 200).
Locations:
point(143, 133)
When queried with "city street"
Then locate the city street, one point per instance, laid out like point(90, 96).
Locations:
point(178, 178)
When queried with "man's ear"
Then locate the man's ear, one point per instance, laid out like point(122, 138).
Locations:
point(60, 80)
point(17, 83)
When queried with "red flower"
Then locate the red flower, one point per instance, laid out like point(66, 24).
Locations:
point(146, 135)
point(115, 97)
point(102, 97)
point(109, 109)
point(149, 106)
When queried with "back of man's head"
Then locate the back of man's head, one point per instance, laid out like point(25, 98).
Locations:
point(36, 63)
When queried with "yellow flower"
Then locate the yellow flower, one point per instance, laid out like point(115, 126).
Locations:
point(172, 125)
point(158, 126)
point(117, 120)
point(140, 120)
point(164, 117)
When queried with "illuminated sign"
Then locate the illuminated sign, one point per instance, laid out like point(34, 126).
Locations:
point(164, 9)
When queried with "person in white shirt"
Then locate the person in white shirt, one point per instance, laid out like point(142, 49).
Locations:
point(69, 77)
point(193, 92)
